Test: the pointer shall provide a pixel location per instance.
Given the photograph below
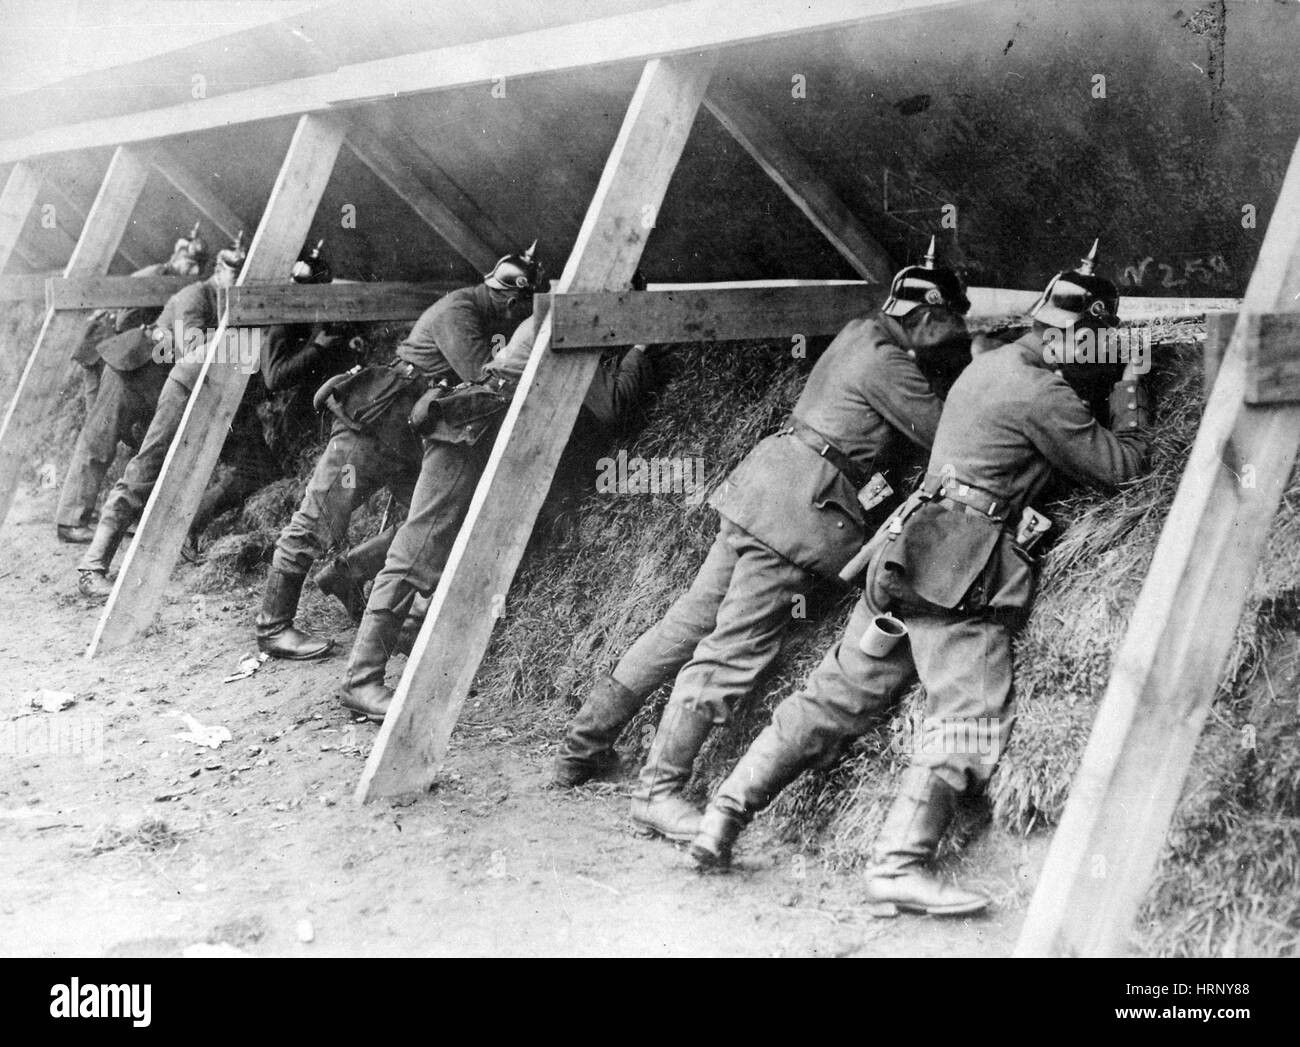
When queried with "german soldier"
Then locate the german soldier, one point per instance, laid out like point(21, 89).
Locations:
point(954, 564)
point(797, 508)
point(373, 445)
point(120, 403)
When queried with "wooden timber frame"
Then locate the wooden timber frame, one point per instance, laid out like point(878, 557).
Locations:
point(1104, 853)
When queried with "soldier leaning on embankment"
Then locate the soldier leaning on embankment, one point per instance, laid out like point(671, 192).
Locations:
point(796, 508)
point(953, 563)
point(119, 403)
point(193, 313)
point(622, 383)
point(373, 445)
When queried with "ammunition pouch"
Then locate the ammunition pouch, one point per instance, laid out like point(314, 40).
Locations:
point(949, 551)
point(130, 350)
point(463, 415)
point(362, 397)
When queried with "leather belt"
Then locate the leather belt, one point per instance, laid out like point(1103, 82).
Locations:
point(968, 495)
point(806, 434)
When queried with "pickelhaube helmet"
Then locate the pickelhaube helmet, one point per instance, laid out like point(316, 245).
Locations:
point(520, 273)
point(1078, 296)
point(926, 284)
point(312, 267)
point(193, 246)
point(233, 257)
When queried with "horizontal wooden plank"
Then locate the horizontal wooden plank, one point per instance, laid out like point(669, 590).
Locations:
point(1272, 358)
point(112, 292)
point(776, 310)
point(23, 288)
point(260, 305)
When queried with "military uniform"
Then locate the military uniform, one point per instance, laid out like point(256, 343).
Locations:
point(950, 568)
point(622, 381)
point(372, 446)
point(790, 513)
point(120, 399)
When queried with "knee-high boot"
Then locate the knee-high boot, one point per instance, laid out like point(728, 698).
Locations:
point(767, 767)
point(345, 576)
point(364, 691)
point(588, 746)
point(276, 634)
point(657, 804)
point(907, 841)
point(92, 569)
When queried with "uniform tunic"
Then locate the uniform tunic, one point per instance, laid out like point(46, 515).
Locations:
point(1009, 423)
point(788, 515)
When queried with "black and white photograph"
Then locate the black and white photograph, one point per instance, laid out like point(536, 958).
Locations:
point(650, 479)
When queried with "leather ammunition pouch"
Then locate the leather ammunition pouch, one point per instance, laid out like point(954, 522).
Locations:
point(128, 351)
point(950, 551)
point(360, 398)
point(462, 415)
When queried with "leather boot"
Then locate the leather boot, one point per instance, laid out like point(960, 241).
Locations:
point(276, 634)
point(658, 807)
point(588, 747)
point(767, 767)
point(364, 692)
point(92, 579)
point(344, 577)
point(923, 810)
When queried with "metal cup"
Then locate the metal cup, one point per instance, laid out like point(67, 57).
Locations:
point(881, 636)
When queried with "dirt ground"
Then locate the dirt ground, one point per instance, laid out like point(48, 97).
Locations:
point(161, 847)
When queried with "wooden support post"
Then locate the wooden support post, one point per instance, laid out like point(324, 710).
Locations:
point(807, 190)
point(38, 387)
point(209, 206)
point(414, 735)
point(392, 163)
point(16, 200)
point(142, 580)
point(71, 214)
point(1218, 333)
point(1167, 670)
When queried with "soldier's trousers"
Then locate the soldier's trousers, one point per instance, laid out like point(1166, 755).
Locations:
point(352, 467)
point(91, 381)
point(121, 413)
point(449, 472)
point(127, 500)
point(965, 665)
point(724, 631)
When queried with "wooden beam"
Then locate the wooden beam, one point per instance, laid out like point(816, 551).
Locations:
point(70, 219)
point(16, 200)
point(1167, 670)
point(402, 178)
point(683, 28)
point(446, 655)
point(142, 581)
point(807, 190)
point(38, 387)
point(211, 208)
point(111, 292)
point(266, 304)
point(772, 309)
point(1272, 343)
point(23, 288)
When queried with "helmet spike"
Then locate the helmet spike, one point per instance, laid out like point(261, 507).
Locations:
point(195, 231)
point(1089, 263)
point(527, 256)
point(315, 251)
point(239, 241)
point(930, 254)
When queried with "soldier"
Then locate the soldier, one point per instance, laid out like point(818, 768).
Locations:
point(797, 508)
point(954, 564)
point(373, 445)
point(190, 312)
point(622, 382)
point(120, 404)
